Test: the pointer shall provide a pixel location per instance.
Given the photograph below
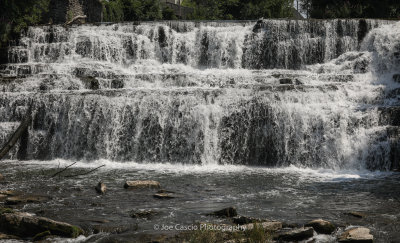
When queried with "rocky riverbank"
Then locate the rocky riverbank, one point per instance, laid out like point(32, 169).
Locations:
point(229, 225)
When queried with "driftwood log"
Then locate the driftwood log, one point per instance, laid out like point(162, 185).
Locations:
point(72, 21)
point(17, 134)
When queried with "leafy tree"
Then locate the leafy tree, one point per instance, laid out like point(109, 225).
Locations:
point(352, 8)
point(113, 11)
point(17, 15)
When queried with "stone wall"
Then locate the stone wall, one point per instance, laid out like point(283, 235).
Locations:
point(62, 11)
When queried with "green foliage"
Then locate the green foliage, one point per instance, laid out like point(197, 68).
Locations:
point(353, 8)
point(17, 15)
point(240, 9)
point(131, 10)
point(113, 11)
point(168, 14)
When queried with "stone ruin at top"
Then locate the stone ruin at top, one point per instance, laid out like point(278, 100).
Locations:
point(65, 11)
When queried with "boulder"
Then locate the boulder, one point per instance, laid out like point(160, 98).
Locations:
point(321, 226)
point(163, 196)
point(28, 225)
point(21, 199)
point(143, 214)
point(356, 235)
point(101, 188)
point(226, 212)
point(268, 226)
point(142, 184)
point(295, 234)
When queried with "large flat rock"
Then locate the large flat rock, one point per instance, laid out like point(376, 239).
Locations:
point(356, 235)
point(28, 225)
point(142, 184)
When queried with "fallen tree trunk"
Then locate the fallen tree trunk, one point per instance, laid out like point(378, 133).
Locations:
point(17, 134)
point(74, 20)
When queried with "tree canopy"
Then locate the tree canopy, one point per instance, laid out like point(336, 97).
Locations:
point(16, 15)
point(323, 9)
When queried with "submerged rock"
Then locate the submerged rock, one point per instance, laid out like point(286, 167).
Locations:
point(321, 226)
point(101, 188)
point(142, 184)
point(268, 226)
point(163, 196)
point(226, 212)
point(28, 225)
point(356, 235)
point(143, 214)
point(245, 220)
point(18, 199)
point(357, 214)
point(164, 191)
point(111, 229)
point(295, 234)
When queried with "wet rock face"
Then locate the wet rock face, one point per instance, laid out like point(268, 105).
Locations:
point(321, 226)
point(295, 234)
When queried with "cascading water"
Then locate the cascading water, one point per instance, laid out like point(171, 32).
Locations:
point(275, 93)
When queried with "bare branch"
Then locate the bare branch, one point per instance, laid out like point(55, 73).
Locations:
point(61, 171)
point(69, 176)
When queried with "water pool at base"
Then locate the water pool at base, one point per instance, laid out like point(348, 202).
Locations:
point(292, 195)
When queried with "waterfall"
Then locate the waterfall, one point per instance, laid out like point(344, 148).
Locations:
point(271, 93)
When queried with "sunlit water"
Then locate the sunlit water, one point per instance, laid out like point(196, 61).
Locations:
point(291, 194)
